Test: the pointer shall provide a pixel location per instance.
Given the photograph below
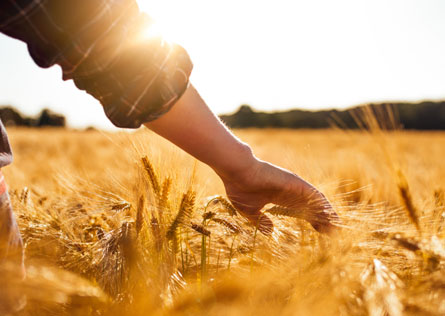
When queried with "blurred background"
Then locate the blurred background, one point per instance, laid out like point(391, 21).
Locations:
point(270, 55)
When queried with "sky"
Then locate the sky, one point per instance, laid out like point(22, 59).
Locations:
point(272, 55)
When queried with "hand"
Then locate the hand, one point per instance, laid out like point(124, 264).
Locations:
point(250, 183)
point(265, 183)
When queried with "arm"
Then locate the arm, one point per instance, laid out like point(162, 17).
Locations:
point(138, 80)
point(192, 126)
point(249, 182)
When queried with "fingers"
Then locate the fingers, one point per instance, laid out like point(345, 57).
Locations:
point(326, 227)
point(251, 211)
point(265, 225)
point(325, 221)
point(261, 221)
point(320, 213)
point(311, 206)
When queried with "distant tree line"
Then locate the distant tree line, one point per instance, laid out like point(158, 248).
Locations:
point(12, 117)
point(421, 116)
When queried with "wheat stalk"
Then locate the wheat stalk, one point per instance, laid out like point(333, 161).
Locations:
point(407, 201)
point(439, 214)
point(200, 229)
point(208, 215)
point(227, 206)
point(117, 256)
point(231, 226)
point(439, 198)
point(185, 212)
point(164, 202)
point(152, 176)
point(284, 211)
point(140, 214)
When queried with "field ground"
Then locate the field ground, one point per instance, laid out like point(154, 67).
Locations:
point(107, 235)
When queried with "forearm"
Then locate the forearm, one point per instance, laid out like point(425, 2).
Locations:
point(192, 126)
point(250, 183)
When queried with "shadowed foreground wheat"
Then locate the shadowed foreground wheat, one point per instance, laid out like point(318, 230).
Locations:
point(119, 224)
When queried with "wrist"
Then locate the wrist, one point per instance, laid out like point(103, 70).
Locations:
point(241, 165)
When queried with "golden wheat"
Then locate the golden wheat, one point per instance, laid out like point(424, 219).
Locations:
point(98, 242)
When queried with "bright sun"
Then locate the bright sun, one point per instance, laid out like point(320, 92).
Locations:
point(167, 22)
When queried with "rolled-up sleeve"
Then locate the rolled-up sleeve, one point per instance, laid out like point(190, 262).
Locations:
point(105, 48)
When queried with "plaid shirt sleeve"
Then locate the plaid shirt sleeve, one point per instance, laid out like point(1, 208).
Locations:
point(100, 44)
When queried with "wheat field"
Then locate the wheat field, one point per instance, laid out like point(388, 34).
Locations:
point(127, 224)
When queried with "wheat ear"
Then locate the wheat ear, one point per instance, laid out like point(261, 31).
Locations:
point(152, 176)
point(185, 212)
point(407, 200)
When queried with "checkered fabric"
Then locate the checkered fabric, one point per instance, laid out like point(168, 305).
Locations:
point(101, 45)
